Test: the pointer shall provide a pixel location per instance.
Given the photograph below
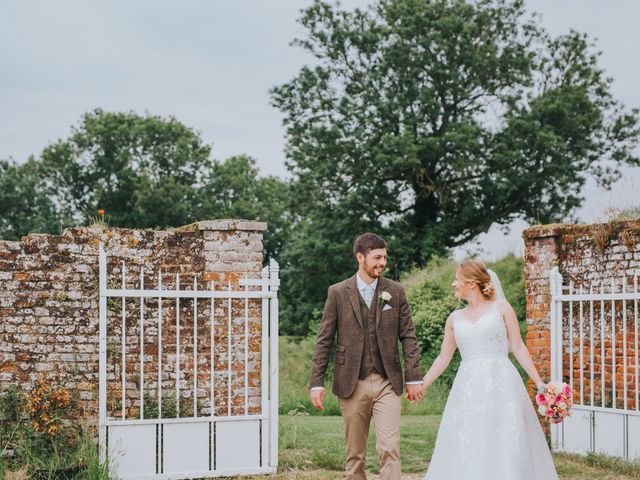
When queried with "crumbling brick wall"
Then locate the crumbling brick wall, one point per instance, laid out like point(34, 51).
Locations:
point(588, 257)
point(49, 312)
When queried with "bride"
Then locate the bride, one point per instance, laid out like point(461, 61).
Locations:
point(489, 429)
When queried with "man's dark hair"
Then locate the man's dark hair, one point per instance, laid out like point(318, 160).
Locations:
point(367, 242)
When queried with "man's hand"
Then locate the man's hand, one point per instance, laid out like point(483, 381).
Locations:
point(317, 398)
point(415, 392)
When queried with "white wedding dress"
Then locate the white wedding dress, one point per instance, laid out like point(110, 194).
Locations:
point(489, 428)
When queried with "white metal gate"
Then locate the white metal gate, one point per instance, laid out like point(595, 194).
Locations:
point(145, 431)
point(594, 348)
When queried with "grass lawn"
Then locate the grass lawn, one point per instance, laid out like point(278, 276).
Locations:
point(312, 448)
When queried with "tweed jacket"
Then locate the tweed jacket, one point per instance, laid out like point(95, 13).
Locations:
point(342, 319)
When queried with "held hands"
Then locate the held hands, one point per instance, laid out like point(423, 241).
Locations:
point(415, 392)
point(317, 398)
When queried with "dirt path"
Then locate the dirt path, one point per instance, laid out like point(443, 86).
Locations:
point(324, 475)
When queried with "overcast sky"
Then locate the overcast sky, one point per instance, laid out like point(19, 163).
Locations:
point(211, 63)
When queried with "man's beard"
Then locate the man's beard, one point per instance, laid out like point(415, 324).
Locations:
point(372, 271)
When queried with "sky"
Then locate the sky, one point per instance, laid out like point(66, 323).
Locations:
point(211, 64)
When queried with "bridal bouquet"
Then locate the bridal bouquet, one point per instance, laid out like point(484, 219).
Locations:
point(554, 401)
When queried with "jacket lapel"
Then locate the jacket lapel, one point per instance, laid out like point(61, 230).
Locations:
point(352, 293)
point(376, 298)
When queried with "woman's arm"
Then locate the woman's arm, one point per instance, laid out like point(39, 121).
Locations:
point(518, 347)
point(442, 361)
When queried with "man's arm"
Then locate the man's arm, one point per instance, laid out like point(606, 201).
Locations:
point(409, 340)
point(410, 349)
point(324, 342)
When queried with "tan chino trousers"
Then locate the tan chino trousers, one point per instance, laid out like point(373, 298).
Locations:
point(373, 398)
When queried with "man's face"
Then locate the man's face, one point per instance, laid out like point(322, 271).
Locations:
point(374, 262)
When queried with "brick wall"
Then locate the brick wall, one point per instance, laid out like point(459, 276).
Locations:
point(49, 312)
point(589, 256)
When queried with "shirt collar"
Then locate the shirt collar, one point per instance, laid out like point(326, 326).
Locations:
point(360, 283)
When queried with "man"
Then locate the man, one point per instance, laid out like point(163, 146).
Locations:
point(369, 314)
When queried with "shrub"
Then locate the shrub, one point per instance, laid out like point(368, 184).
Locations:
point(431, 307)
point(44, 438)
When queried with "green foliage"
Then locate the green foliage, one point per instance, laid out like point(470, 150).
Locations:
point(234, 189)
point(427, 122)
point(25, 207)
point(295, 368)
point(88, 456)
point(431, 306)
point(140, 169)
point(318, 253)
point(13, 418)
point(169, 406)
point(510, 271)
point(439, 271)
point(145, 172)
point(71, 452)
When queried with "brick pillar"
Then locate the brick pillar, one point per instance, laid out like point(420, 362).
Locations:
point(541, 256)
point(231, 247)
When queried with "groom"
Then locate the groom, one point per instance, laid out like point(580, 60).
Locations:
point(369, 314)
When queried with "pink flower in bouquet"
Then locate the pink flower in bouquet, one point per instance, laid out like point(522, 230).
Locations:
point(554, 401)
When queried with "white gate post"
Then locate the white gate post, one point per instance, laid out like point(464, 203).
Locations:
point(102, 354)
point(264, 366)
point(274, 284)
point(555, 328)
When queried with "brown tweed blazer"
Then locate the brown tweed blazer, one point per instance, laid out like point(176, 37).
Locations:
point(342, 317)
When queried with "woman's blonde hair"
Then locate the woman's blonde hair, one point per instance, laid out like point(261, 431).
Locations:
point(476, 272)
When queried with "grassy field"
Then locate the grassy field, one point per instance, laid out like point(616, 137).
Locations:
point(312, 448)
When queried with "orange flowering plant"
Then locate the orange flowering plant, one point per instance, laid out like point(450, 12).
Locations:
point(99, 221)
point(48, 406)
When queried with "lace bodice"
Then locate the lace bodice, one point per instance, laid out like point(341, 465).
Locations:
point(487, 336)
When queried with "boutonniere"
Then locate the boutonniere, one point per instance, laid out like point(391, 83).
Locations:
point(384, 297)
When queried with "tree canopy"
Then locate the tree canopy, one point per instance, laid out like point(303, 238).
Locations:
point(145, 171)
point(428, 121)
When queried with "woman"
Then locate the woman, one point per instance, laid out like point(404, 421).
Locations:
point(489, 429)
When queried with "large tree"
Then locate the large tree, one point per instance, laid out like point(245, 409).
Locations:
point(144, 171)
point(234, 189)
point(429, 121)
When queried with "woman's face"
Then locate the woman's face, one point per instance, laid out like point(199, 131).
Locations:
point(461, 287)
